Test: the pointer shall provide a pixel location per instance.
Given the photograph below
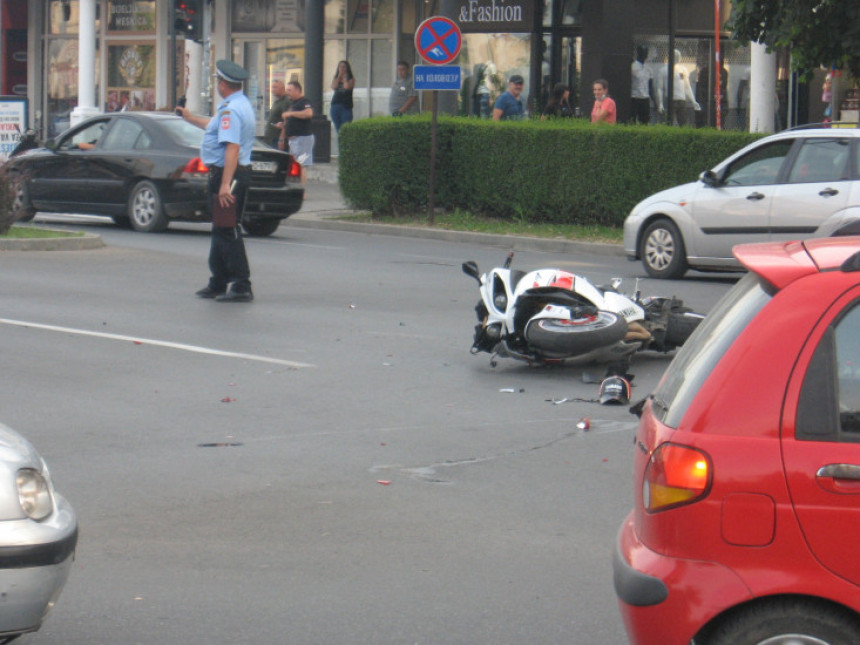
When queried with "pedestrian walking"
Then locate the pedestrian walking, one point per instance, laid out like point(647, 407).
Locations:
point(341, 103)
point(226, 150)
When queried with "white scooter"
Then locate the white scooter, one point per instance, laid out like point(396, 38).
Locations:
point(553, 316)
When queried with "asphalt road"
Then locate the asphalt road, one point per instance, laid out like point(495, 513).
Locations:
point(328, 464)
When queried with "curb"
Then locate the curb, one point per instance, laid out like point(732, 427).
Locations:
point(83, 242)
point(326, 220)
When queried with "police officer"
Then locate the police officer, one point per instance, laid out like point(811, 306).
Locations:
point(226, 150)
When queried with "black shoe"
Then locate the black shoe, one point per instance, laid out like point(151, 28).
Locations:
point(236, 296)
point(208, 292)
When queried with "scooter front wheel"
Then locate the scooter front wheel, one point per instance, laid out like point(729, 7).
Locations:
point(559, 338)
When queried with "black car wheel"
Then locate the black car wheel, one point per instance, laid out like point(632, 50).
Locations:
point(785, 622)
point(662, 250)
point(261, 227)
point(144, 209)
point(22, 210)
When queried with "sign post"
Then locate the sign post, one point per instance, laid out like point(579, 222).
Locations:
point(438, 41)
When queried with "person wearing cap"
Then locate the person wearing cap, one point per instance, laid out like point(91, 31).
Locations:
point(604, 110)
point(226, 150)
point(509, 106)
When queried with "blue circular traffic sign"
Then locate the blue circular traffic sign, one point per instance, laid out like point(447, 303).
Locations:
point(438, 40)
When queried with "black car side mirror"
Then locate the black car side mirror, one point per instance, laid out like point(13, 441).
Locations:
point(709, 178)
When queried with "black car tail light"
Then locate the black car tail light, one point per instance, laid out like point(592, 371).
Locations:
point(295, 170)
point(195, 167)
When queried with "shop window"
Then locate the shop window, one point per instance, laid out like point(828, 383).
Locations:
point(383, 17)
point(488, 60)
point(62, 82)
point(267, 16)
point(694, 64)
point(64, 17)
point(131, 69)
point(335, 17)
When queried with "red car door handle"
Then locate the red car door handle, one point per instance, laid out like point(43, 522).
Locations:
point(839, 471)
point(839, 478)
point(755, 196)
point(828, 192)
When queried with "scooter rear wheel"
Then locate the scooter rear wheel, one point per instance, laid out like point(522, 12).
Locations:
point(560, 338)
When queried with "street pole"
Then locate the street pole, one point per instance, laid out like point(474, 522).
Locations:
point(431, 200)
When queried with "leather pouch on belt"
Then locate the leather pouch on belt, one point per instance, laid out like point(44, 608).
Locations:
point(224, 216)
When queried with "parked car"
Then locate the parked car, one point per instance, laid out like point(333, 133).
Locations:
point(38, 536)
point(795, 184)
point(747, 464)
point(143, 169)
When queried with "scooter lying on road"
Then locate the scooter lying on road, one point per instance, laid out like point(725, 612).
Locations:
point(551, 316)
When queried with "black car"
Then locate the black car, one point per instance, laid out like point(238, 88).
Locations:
point(143, 169)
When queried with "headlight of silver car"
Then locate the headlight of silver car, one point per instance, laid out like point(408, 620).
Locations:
point(34, 494)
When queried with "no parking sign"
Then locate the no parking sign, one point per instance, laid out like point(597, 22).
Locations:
point(438, 40)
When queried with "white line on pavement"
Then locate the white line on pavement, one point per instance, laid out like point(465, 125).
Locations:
point(158, 343)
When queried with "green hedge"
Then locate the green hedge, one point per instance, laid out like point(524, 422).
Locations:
point(561, 171)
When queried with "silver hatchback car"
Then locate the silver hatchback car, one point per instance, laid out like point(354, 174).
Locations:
point(38, 536)
point(796, 184)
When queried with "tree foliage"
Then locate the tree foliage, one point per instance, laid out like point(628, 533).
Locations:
point(818, 33)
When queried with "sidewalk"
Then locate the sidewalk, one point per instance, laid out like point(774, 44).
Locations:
point(324, 203)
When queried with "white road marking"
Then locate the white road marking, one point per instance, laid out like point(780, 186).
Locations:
point(158, 343)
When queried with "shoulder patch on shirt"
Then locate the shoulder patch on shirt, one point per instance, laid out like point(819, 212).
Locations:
point(225, 122)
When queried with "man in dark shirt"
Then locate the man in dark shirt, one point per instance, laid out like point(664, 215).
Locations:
point(274, 123)
point(298, 127)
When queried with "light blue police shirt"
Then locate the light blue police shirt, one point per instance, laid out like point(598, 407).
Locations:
point(234, 122)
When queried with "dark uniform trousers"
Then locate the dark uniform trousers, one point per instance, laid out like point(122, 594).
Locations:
point(228, 262)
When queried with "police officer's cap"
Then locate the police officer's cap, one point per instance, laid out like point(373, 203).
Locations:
point(230, 71)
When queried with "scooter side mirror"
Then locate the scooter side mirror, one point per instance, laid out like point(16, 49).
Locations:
point(470, 268)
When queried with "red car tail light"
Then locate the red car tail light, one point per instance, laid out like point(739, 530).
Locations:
point(295, 170)
point(195, 167)
point(675, 475)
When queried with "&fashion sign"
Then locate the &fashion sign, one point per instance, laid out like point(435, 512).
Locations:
point(495, 16)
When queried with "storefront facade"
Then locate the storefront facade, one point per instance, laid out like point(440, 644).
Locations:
point(141, 63)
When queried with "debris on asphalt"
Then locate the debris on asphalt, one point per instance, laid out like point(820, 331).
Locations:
point(512, 390)
point(227, 399)
point(584, 424)
point(384, 482)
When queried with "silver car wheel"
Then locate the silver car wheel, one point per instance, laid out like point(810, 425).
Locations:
point(659, 249)
point(144, 208)
point(662, 250)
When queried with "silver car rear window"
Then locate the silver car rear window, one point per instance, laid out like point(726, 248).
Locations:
point(700, 354)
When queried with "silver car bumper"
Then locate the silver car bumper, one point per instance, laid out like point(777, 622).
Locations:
point(35, 560)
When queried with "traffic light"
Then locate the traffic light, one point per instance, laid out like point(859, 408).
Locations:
point(188, 19)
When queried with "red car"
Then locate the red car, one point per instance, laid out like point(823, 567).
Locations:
point(746, 518)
